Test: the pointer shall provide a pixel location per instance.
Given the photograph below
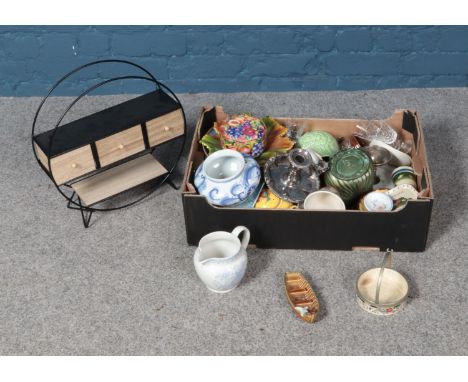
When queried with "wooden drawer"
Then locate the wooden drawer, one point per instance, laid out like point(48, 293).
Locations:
point(70, 165)
point(165, 128)
point(121, 145)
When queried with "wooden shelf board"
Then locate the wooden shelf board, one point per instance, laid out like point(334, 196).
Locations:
point(118, 179)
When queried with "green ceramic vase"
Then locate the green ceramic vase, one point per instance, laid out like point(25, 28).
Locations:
point(322, 142)
point(351, 173)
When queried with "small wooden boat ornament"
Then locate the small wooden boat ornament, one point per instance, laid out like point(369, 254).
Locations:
point(301, 297)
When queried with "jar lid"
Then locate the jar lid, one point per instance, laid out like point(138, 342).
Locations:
point(350, 164)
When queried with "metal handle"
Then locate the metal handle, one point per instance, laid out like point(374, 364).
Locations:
point(386, 263)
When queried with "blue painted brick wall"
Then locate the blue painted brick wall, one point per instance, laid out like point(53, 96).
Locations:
point(234, 58)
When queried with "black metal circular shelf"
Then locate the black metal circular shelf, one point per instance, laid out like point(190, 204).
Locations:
point(150, 78)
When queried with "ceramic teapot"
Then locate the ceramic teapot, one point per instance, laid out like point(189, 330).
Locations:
point(221, 259)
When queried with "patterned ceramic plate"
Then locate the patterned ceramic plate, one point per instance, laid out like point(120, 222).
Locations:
point(276, 140)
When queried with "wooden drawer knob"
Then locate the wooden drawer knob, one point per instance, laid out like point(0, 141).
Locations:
point(74, 165)
point(121, 146)
point(167, 128)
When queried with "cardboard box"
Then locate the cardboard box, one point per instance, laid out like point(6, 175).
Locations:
point(405, 230)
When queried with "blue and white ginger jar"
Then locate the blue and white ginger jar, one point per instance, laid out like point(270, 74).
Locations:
point(227, 177)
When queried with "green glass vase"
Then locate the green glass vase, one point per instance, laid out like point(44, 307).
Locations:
point(351, 173)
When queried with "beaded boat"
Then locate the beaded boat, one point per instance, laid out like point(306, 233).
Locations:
point(301, 297)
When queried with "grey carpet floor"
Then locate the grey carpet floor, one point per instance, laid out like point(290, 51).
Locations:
point(126, 286)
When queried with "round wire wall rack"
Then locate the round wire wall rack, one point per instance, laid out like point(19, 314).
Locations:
point(162, 101)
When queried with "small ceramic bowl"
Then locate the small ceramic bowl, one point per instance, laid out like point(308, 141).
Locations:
point(361, 201)
point(333, 190)
point(324, 200)
point(386, 299)
point(378, 202)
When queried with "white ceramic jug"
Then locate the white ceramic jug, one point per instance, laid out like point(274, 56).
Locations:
point(221, 259)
